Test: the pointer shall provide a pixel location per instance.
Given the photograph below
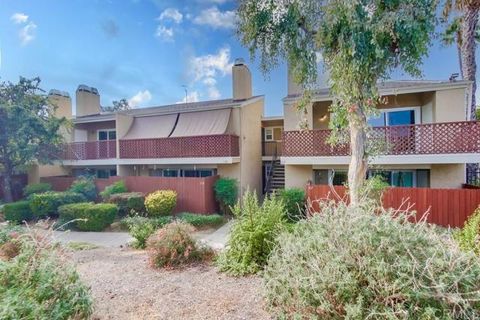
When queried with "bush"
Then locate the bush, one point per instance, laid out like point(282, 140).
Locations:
point(141, 228)
point(36, 188)
point(91, 216)
point(39, 283)
point(253, 235)
point(226, 193)
point(127, 202)
point(114, 188)
point(173, 246)
point(85, 186)
point(294, 200)
point(46, 204)
point(201, 221)
point(17, 212)
point(368, 263)
point(469, 237)
point(161, 202)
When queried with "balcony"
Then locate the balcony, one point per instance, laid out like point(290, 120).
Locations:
point(272, 148)
point(423, 139)
point(90, 150)
point(222, 145)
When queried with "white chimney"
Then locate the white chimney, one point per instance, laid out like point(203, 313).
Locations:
point(242, 80)
point(88, 101)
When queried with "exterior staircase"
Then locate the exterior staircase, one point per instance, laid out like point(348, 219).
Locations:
point(276, 179)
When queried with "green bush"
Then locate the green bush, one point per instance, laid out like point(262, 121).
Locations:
point(40, 283)
point(141, 228)
point(36, 188)
point(253, 235)
point(161, 203)
point(368, 263)
point(173, 246)
point(114, 188)
point(85, 186)
point(226, 193)
point(17, 212)
point(46, 204)
point(91, 216)
point(8, 232)
point(201, 221)
point(127, 202)
point(468, 237)
point(294, 200)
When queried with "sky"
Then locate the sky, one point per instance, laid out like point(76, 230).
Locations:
point(147, 51)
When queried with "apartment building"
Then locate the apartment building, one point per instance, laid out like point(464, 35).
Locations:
point(199, 139)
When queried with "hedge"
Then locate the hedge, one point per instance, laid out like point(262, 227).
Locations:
point(91, 216)
point(36, 188)
point(18, 212)
point(128, 201)
point(47, 204)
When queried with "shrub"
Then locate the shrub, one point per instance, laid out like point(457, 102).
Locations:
point(253, 235)
point(46, 204)
point(17, 212)
point(201, 221)
point(161, 202)
point(91, 216)
point(365, 262)
point(85, 186)
point(173, 246)
point(226, 193)
point(114, 188)
point(468, 237)
point(127, 202)
point(141, 228)
point(294, 200)
point(36, 188)
point(39, 283)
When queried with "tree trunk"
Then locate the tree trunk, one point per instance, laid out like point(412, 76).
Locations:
point(357, 169)
point(469, 65)
point(7, 186)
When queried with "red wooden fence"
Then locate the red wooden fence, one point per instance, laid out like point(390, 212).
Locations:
point(194, 195)
point(446, 207)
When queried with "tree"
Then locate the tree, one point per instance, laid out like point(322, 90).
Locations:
point(465, 22)
point(120, 105)
point(29, 130)
point(361, 42)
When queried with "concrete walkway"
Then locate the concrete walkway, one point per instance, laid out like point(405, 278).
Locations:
point(216, 240)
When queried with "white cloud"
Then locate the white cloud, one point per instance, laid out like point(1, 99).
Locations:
point(140, 98)
point(27, 33)
point(164, 33)
point(193, 96)
point(171, 14)
point(19, 18)
point(205, 70)
point(216, 19)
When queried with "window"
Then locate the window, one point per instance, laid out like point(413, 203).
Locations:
point(170, 173)
point(320, 176)
point(332, 177)
point(403, 116)
point(107, 135)
point(419, 178)
point(338, 178)
point(268, 134)
point(188, 173)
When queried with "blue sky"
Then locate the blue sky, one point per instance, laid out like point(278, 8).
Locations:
point(143, 50)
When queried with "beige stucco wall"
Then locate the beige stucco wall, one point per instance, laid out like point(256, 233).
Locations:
point(293, 117)
point(241, 82)
point(272, 123)
point(93, 127)
point(123, 123)
point(297, 176)
point(450, 105)
point(447, 175)
point(87, 103)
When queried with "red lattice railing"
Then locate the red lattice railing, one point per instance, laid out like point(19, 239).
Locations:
point(90, 150)
point(435, 138)
point(223, 145)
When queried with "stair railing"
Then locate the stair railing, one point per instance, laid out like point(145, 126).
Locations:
point(268, 182)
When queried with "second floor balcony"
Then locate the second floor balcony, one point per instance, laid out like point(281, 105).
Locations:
point(422, 139)
point(272, 148)
point(90, 150)
point(207, 146)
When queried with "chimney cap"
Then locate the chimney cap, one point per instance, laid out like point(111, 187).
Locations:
point(239, 62)
point(55, 92)
point(86, 88)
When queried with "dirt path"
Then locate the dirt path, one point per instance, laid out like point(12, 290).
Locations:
point(124, 287)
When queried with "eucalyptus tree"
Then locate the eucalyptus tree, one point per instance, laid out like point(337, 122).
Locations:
point(360, 41)
point(29, 129)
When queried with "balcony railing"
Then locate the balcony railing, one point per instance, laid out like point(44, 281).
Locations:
point(435, 138)
point(90, 150)
point(271, 148)
point(223, 145)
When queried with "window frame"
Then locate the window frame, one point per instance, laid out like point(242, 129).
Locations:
point(108, 134)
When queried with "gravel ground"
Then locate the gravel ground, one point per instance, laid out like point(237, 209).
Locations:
point(124, 287)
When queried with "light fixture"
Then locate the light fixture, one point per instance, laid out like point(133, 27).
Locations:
point(324, 118)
